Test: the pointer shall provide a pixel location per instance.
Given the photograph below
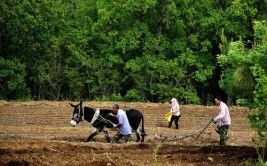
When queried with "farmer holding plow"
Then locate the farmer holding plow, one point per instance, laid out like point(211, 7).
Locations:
point(224, 118)
point(124, 126)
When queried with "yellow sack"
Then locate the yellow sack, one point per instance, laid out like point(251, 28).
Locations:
point(168, 116)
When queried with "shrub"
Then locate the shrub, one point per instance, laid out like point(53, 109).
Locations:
point(133, 95)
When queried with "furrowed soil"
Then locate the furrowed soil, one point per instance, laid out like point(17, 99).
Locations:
point(39, 133)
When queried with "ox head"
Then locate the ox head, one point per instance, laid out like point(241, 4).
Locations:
point(77, 115)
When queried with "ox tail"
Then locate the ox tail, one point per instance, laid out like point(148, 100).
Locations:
point(143, 127)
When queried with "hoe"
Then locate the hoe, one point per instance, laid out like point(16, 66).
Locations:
point(203, 129)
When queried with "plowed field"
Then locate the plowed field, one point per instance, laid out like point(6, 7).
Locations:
point(39, 133)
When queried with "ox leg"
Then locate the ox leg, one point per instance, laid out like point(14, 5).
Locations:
point(137, 134)
point(92, 135)
point(141, 134)
point(106, 132)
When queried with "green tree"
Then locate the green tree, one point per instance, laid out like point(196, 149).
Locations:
point(246, 71)
point(30, 32)
point(12, 79)
point(90, 49)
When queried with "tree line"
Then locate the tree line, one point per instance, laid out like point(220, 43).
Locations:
point(126, 50)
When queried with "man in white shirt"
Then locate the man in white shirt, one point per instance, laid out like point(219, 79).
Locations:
point(123, 125)
point(224, 118)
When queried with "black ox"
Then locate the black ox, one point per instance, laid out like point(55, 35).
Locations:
point(101, 119)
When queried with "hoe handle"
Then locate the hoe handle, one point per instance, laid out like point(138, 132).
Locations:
point(203, 129)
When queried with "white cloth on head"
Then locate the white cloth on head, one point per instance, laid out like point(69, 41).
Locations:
point(175, 108)
point(125, 128)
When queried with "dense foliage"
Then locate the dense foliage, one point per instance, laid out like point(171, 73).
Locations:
point(122, 50)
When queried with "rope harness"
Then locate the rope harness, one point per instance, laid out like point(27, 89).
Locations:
point(97, 116)
point(81, 113)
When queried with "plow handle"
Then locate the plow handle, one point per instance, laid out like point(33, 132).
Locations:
point(203, 129)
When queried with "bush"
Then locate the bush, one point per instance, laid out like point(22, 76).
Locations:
point(113, 97)
point(133, 95)
point(116, 97)
point(258, 117)
point(242, 102)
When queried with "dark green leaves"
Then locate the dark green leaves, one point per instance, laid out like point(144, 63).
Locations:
point(123, 49)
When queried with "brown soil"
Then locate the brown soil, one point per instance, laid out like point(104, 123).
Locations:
point(39, 133)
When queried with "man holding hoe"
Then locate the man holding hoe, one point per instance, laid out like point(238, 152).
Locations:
point(224, 118)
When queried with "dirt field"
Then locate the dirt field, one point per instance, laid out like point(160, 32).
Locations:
point(39, 133)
